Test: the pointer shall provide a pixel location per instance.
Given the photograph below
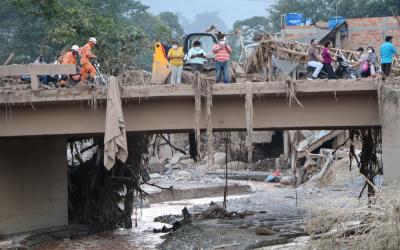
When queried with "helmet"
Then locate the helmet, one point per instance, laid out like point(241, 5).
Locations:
point(93, 40)
point(75, 48)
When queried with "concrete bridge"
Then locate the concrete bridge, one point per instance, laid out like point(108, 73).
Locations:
point(34, 126)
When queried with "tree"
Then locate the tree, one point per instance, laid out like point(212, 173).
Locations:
point(123, 28)
point(172, 21)
point(250, 27)
point(203, 21)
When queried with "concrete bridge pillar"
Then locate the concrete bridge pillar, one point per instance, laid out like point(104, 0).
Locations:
point(390, 110)
point(33, 184)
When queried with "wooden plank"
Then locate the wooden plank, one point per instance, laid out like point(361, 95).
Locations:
point(37, 69)
point(35, 82)
point(10, 57)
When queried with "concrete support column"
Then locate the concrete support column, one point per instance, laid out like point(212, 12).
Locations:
point(286, 144)
point(33, 184)
point(391, 135)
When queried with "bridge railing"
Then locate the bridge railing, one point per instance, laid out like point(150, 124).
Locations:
point(35, 70)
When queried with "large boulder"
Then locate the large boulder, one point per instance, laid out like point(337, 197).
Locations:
point(236, 165)
point(286, 180)
point(219, 158)
point(187, 162)
point(155, 176)
point(176, 158)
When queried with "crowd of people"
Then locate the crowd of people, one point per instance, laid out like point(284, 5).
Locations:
point(366, 66)
point(81, 57)
point(197, 57)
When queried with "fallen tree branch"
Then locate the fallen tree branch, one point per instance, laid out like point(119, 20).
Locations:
point(171, 188)
point(89, 147)
point(170, 144)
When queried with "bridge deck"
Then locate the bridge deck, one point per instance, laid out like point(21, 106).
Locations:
point(327, 104)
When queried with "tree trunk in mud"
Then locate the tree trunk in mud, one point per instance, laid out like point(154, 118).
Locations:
point(105, 199)
point(192, 146)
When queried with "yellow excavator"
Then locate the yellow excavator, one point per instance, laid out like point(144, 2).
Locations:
point(160, 69)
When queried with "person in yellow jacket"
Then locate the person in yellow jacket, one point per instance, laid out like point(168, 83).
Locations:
point(175, 56)
point(87, 66)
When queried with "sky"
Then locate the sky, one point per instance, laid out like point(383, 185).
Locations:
point(229, 10)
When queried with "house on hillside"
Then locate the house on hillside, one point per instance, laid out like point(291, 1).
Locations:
point(349, 34)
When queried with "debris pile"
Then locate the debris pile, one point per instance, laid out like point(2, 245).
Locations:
point(134, 77)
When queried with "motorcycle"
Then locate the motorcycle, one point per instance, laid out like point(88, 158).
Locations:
point(344, 70)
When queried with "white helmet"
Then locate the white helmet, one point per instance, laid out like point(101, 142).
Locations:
point(75, 48)
point(93, 40)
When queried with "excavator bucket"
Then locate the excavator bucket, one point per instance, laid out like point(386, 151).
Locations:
point(160, 70)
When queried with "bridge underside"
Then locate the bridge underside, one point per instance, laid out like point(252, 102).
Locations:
point(326, 106)
point(34, 126)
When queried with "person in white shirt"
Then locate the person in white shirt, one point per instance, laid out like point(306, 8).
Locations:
point(197, 57)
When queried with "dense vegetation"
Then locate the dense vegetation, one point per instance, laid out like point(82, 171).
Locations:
point(124, 29)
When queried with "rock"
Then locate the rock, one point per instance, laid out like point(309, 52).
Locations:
point(219, 158)
point(234, 165)
point(187, 162)
point(286, 180)
point(184, 174)
point(244, 226)
point(154, 160)
point(206, 168)
point(155, 176)
point(264, 231)
point(177, 157)
point(216, 167)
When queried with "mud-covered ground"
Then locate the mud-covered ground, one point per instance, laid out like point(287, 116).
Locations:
point(276, 208)
point(283, 209)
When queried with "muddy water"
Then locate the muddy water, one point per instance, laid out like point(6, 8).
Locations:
point(140, 237)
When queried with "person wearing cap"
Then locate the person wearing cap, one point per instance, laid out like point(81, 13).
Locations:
point(86, 55)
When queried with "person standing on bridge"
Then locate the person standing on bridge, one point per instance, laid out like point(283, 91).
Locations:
point(387, 53)
point(327, 60)
point(87, 66)
point(196, 57)
point(314, 60)
point(222, 52)
point(175, 56)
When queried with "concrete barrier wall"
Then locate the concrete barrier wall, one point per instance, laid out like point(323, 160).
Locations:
point(33, 184)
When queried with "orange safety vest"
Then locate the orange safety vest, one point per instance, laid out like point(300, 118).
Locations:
point(69, 58)
point(86, 53)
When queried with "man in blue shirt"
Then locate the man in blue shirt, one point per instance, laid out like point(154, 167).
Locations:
point(197, 57)
point(387, 52)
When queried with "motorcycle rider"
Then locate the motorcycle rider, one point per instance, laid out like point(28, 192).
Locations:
point(314, 60)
